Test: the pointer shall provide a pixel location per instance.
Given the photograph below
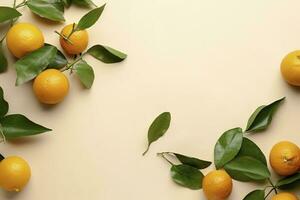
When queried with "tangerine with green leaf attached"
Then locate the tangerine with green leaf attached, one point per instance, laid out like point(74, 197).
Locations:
point(73, 42)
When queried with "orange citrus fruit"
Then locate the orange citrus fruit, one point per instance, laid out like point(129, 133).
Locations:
point(76, 43)
point(14, 173)
point(51, 86)
point(290, 68)
point(285, 196)
point(285, 158)
point(217, 185)
point(24, 38)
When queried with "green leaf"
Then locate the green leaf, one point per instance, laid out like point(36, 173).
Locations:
point(59, 60)
point(247, 169)
point(250, 149)
point(8, 13)
point(84, 3)
point(191, 161)
point(59, 4)
point(228, 146)
point(85, 73)
point(158, 128)
point(255, 195)
point(1, 157)
point(45, 9)
point(90, 18)
point(3, 60)
point(289, 182)
point(17, 125)
point(34, 63)
point(3, 104)
point(187, 176)
point(262, 117)
point(106, 54)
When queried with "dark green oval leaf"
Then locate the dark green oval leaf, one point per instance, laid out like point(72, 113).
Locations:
point(90, 18)
point(191, 161)
point(158, 128)
point(84, 3)
point(262, 117)
point(228, 146)
point(17, 125)
point(247, 169)
point(255, 195)
point(8, 13)
point(34, 63)
point(187, 176)
point(3, 60)
point(3, 104)
point(85, 73)
point(250, 149)
point(46, 10)
point(289, 182)
point(1, 157)
point(59, 60)
point(106, 54)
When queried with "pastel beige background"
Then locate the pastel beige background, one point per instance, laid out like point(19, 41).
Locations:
point(209, 62)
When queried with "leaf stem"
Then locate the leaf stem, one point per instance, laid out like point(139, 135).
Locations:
point(274, 187)
point(148, 147)
point(165, 158)
point(73, 63)
point(2, 134)
point(270, 192)
point(73, 30)
point(64, 37)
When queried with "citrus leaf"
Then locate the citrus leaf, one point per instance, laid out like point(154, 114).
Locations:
point(59, 60)
point(191, 161)
point(250, 149)
point(262, 116)
point(106, 54)
point(8, 13)
point(59, 4)
point(1, 157)
point(3, 60)
point(228, 146)
point(34, 63)
point(247, 169)
point(289, 182)
point(3, 104)
point(46, 10)
point(187, 176)
point(85, 73)
point(158, 128)
point(255, 195)
point(84, 3)
point(90, 18)
point(17, 125)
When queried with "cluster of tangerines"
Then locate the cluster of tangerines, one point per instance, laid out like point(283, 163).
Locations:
point(284, 159)
point(26, 42)
point(50, 86)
